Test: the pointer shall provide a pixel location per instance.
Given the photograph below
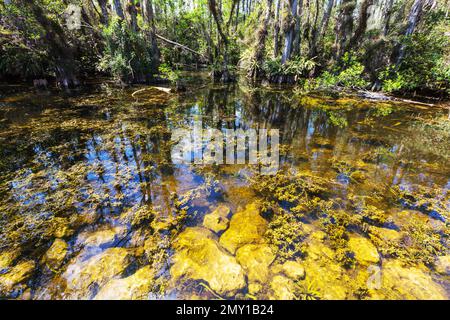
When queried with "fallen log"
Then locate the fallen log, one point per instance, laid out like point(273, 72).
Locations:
point(383, 97)
point(166, 90)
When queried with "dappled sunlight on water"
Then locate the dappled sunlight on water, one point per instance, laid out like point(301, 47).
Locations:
point(91, 203)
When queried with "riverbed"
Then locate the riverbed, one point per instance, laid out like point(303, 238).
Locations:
point(92, 205)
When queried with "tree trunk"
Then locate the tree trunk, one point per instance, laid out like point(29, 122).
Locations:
point(315, 33)
point(149, 18)
point(344, 26)
point(224, 74)
point(362, 25)
point(132, 13)
point(387, 16)
point(289, 30)
point(276, 32)
point(105, 16)
point(118, 9)
point(413, 19)
point(258, 57)
point(59, 48)
point(297, 34)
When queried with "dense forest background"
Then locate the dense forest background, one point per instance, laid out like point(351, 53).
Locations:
point(390, 45)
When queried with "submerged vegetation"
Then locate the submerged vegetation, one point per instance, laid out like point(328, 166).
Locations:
point(91, 202)
point(399, 46)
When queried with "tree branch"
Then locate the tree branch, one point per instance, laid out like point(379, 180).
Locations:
point(181, 46)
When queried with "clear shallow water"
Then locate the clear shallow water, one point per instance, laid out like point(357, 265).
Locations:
point(93, 169)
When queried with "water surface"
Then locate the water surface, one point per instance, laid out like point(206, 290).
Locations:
point(93, 169)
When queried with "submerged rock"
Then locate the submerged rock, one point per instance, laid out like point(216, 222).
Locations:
point(293, 270)
point(134, 287)
point(256, 260)
point(101, 239)
point(7, 258)
point(365, 252)
point(55, 255)
point(15, 276)
point(84, 277)
point(282, 288)
point(399, 282)
point(328, 277)
point(442, 265)
point(199, 257)
point(217, 221)
point(386, 234)
point(246, 227)
point(254, 288)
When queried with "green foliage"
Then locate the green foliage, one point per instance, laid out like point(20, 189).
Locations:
point(349, 75)
point(127, 55)
point(392, 80)
point(298, 67)
point(273, 67)
point(166, 71)
point(22, 54)
point(426, 64)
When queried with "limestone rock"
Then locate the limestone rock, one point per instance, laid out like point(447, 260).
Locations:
point(55, 255)
point(442, 265)
point(16, 275)
point(82, 277)
point(7, 258)
point(198, 256)
point(365, 252)
point(399, 282)
point(256, 259)
point(282, 288)
point(101, 239)
point(293, 270)
point(134, 287)
point(254, 288)
point(319, 235)
point(222, 210)
point(61, 228)
point(385, 234)
point(217, 221)
point(246, 227)
point(317, 250)
point(329, 278)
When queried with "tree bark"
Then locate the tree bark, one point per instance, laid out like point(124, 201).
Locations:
point(225, 75)
point(344, 26)
point(289, 30)
point(258, 57)
point(103, 7)
point(276, 32)
point(59, 48)
point(413, 19)
point(149, 18)
point(132, 13)
point(315, 33)
point(298, 24)
point(387, 16)
point(118, 9)
point(362, 24)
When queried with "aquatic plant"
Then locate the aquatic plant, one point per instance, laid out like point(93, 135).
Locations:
point(285, 232)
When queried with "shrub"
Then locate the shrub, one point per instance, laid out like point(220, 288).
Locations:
point(349, 74)
point(127, 55)
point(166, 71)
